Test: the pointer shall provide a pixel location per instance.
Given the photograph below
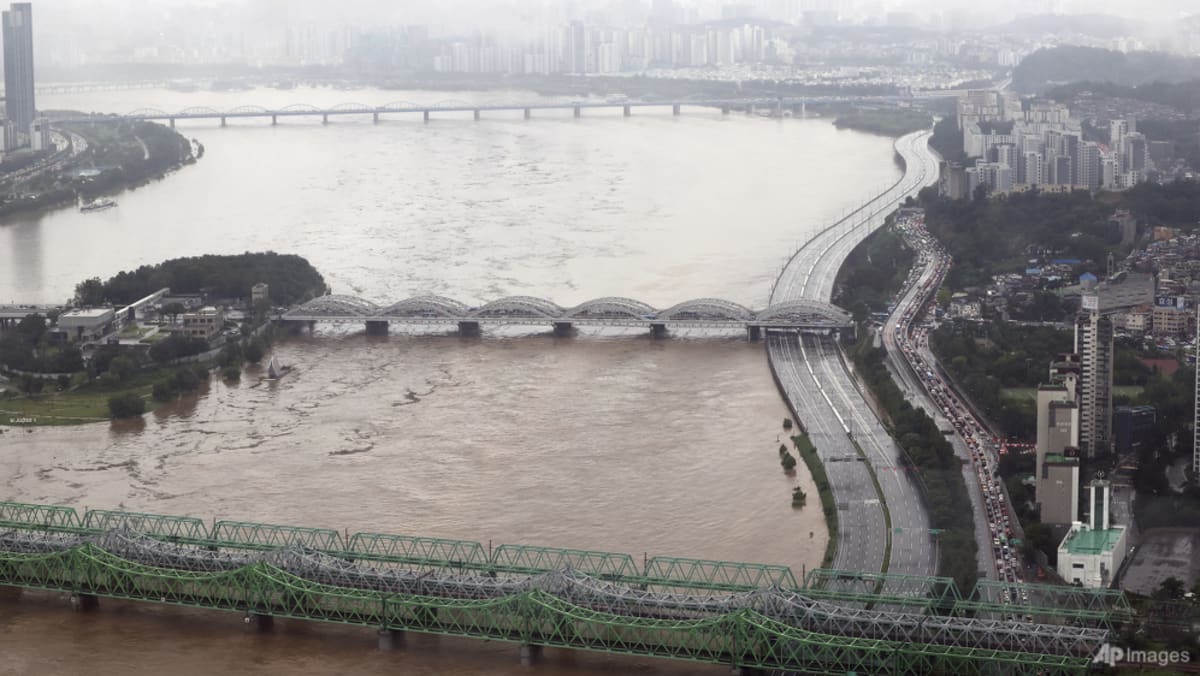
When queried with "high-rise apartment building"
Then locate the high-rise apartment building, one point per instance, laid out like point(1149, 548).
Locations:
point(1094, 345)
point(18, 66)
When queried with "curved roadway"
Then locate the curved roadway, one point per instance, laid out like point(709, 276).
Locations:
point(824, 397)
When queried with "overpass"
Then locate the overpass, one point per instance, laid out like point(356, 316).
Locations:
point(753, 617)
point(802, 315)
point(10, 315)
point(427, 110)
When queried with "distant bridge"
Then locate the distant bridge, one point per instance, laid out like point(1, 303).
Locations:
point(711, 313)
point(775, 105)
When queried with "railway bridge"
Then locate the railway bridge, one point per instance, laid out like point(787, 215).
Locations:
point(753, 617)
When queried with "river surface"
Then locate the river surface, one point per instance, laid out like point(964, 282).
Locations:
point(602, 441)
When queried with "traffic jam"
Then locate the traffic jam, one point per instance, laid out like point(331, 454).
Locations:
point(912, 335)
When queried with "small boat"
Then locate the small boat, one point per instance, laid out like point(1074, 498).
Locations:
point(97, 205)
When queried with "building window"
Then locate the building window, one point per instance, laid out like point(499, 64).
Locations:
point(1077, 565)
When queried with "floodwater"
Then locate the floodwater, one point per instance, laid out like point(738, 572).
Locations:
point(607, 441)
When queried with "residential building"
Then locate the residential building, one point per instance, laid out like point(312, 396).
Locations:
point(260, 294)
point(1170, 321)
point(1094, 345)
point(1092, 552)
point(203, 323)
point(1058, 489)
point(18, 65)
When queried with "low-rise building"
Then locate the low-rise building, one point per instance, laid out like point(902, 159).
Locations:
point(86, 324)
point(203, 323)
point(1092, 552)
point(260, 294)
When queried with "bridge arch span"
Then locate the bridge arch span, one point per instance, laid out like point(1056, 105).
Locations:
point(334, 305)
point(249, 109)
point(199, 110)
point(401, 105)
point(454, 103)
point(524, 306)
point(706, 308)
point(147, 112)
point(611, 308)
point(804, 312)
point(299, 108)
point(433, 307)
point(353, 108)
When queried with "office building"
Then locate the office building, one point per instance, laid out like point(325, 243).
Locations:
point(1132, 426)
point(1094, 345)
point(204, 323)
point(1092, 552)
point(18, 65)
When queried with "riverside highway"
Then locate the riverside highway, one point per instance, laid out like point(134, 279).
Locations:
point(821, 391)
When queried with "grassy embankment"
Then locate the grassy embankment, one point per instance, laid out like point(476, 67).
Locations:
point(808, 453)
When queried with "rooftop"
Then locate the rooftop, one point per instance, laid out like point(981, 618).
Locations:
point(1059, 459)
point(87, 313)
point(1091, 542)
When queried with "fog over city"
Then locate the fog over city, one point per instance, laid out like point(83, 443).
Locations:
point(73, 33)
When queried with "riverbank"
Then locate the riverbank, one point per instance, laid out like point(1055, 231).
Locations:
point(890, 122)
point(92, 159)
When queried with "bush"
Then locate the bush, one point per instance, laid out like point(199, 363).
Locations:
point(128, 405)
point(787, 423)
point(788, 461)
point(64, 381)
point(185, 379)
point(231, 373)
point(174, 347)
point(202, 372)
point(253, 351)
point(164, 391)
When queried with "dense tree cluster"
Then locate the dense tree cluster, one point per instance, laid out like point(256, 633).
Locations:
point(25, 348)
point(991, 236)
point(873, 273)
point(1183, 96)
point(939, 470)
point(1070, 63)
point(887, 122)
point(291, 279)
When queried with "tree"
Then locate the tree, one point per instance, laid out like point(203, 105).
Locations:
point(121, 368)
point(89, 292)
point(31, 385)
point(128, 405)
point(173, 310)
point(1171, 588)
point(32, 328)
point(253, 352)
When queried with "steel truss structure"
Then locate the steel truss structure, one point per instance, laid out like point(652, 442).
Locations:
point(700, 313)
point(743, 614)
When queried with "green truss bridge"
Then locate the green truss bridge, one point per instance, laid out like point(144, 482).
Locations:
point(753, 617)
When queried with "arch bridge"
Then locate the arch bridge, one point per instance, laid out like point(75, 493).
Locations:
point(701, 313)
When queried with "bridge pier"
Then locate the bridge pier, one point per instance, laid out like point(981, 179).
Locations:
point(377, 327)
point(675, 109)
point(222, 120)
point(374, 118)
point(476, 114)
point(389, 639)
point(754, 333)
point(749, 108)
point(81, 603)
point(469, 329)
point(528, 113)
point(578, 111)
point(529, 653)
point(563, 329)
point(628, 111)
point(171, 121)
point(724, 110)
point(259, 621)
point(658, 330)
point(425, 113)
point(325, 118)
